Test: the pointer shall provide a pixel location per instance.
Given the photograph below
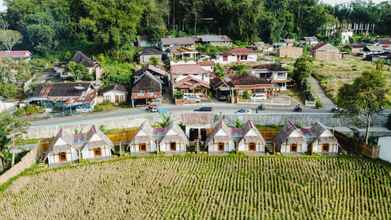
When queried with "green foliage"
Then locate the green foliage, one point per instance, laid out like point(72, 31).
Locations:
point(79, 71)
point(365, 97)
point(116, 72)
point(238, 123)
point(303, 68)
point(219, 70)
point(9, 38)
point(29, 110)
point(104, 107)
point(241, 69)
point(246, 95)
point(8, 90)
point(211, 50)
point(318, 103)
point(178, 94)
point(154, 61)
point(165, 121)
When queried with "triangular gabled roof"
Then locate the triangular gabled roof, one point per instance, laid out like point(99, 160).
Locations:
point(96, 138)
point(145, 134)
point(251, 133)
point(190, 82)
point(174, 133)
point(62, 142)
point(221, 132)
point(81, 58)
point(286, 132)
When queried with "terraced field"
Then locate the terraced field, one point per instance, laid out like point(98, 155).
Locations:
point(202, 187)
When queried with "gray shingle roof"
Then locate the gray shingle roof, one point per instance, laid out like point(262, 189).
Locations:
point(178, 41)
point(214, 38)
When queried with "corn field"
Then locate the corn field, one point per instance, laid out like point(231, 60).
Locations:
point(204, 187)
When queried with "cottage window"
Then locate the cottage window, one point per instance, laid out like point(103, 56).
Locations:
point(325, 147)
point(62, 156)
point(243, 57)
point(97, 152)
point(143, 147)
point(221, 146)
point(252, 147)
point(107, 98)
point(294, 148)
point(173, 146)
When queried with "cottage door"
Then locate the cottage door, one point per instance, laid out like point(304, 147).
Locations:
point(143, 147)
point(252, 147)
point(97, 152)
point(62, 157)
point(173, 146)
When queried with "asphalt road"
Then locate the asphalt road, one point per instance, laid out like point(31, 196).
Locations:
point(223, 108)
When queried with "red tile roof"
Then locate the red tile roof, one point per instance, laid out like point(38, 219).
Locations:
point(187, 69)
point(16, 54)
point(241, 51)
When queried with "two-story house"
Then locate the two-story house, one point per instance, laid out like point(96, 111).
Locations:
point(274, 73)
point(147, 88)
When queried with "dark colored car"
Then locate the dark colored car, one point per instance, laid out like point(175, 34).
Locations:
point(203, 109)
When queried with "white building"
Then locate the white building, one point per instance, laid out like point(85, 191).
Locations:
point(172, 139)
point(252, 140)
point(237, 55)
point(291, 139)
point(324, 140)
point(144, 141)
point(116, 94)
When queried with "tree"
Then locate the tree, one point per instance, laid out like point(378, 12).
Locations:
point(79, 71)
point(241, 69)
point(303, 69)
point(238, 123)
point(165, 121)
point(365, 97)
point(9, 126)
point(9, 38)
point(219, 70)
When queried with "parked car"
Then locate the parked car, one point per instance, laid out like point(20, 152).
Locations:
point(298, 108)
point(203, 109)
point(192, 98)
point(151, 108)
point(243, 111)
point(258, 97)
point(259, 108)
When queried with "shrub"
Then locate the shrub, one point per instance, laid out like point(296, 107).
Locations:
point(29, 110)
point(106, 106)
point(318, 103)
point(178, 94)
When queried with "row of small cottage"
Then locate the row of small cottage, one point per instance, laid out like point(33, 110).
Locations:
point(94, 144)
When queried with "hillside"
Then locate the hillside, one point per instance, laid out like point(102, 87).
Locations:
point(200, 187)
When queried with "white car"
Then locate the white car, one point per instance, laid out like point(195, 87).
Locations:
point(258, 97)
point(192, 98)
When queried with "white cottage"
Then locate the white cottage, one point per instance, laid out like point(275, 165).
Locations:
point(323, 140)
point(172, 139)
point(252, 140)
point(66, 148)
point(116, 94)
point(221, 139)
point(96, 145)
point(144, 141)
point(62, 149)
point(291, 139)
point(237, 55)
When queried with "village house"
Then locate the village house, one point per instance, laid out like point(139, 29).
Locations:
point(370, 50)
point(183, 55)
point(92, 66)
point(170, 42)
point(273, 73)
point(65, 97)
point(221, 89)
point(16, 54)
point(311, 41)
point(96, 145)
point(224, 139)
point(326, 52)
point(149, 55)
point(144, 141)
point(159, 73)
point(215, 40)
point(172, 139)
point(146, 89)
point(221, 139)
point(191, 80)
point(290, 52)
point(251, 140)
point(116, 94)
point(249, 88)
point(290, 139)
point(66, 148)
point(237, 55)
point(322, 140)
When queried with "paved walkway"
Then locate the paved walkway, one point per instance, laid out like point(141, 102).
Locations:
point(318, 92)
